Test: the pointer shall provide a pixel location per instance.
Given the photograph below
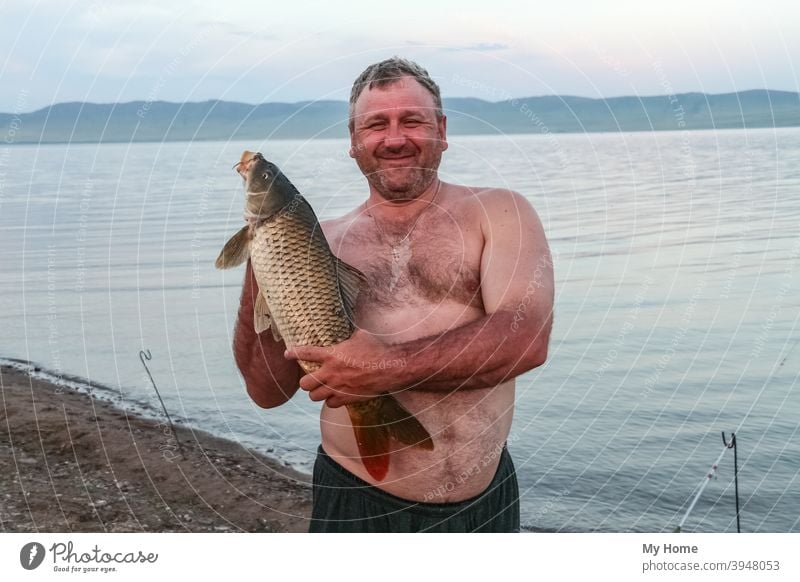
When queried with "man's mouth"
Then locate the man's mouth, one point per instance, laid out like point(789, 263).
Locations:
point(392, 158)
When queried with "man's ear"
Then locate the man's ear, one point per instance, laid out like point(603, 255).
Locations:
point(443, 131)
point(352, 151)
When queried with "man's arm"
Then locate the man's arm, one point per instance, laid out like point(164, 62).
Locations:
point(271, 380)
point(517, 290)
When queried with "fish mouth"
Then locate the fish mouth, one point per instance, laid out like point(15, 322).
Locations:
point(248, 159)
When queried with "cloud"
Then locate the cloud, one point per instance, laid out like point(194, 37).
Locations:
point(481, 47)
point(236, 30)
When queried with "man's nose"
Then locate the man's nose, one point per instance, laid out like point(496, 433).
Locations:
point(395, 137)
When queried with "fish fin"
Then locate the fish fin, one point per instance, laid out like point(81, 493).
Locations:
point(375, 422)
point(276, 335)
point(235, 251)
point(402, 425)
point(350, 282)
point(262, 319)
point(372, 439)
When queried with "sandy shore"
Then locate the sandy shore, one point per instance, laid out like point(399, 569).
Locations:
point(70, 462)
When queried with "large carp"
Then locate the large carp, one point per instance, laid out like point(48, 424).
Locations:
point(307, 296)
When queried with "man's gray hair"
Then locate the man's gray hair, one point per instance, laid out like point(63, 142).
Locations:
point(390, 71)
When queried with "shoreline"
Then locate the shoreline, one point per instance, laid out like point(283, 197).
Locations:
point(71, 462)
point(456, 134)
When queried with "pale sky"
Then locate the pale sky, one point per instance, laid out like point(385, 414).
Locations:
point(254, 51)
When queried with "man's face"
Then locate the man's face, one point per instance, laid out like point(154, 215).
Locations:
point(396, 139)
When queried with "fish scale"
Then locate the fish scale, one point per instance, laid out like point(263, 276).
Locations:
point(295, 270)
point(307, 296)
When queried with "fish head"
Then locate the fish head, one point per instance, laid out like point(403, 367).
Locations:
point(267, 189)
point(257, 173)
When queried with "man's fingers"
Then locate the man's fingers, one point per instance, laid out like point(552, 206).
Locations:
point(310, 382)
point(335, 401)
point(332, 398)
point(320, 394)
point(306, 353)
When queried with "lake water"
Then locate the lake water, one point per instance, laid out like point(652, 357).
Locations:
point(676, 256)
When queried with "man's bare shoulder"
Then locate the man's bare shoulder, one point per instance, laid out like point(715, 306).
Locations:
point(492, 202)
point(497, 196)
point(334, 228)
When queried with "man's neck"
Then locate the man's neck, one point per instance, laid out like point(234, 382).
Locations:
point(401, 209)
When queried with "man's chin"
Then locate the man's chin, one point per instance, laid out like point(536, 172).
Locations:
point(398, 172)
point(399, 191)
point(400, 181)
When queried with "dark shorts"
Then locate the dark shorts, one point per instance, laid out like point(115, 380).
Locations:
point(345, 503)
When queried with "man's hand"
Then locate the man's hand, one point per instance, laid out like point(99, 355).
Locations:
point(353, 370)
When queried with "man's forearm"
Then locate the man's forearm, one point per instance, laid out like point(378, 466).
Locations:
point(479, 354)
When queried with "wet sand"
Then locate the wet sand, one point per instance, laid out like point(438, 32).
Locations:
point(73, 463)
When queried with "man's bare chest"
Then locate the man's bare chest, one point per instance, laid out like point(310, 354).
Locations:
point(437, 264)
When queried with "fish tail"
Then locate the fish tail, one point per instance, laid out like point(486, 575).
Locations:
point(375, 422)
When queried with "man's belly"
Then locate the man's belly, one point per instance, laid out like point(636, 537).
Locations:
point(468, 428)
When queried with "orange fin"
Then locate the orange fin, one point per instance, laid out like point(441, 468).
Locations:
point(375, 422)
point(373, 446)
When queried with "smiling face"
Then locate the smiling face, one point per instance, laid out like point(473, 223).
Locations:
point(397, 139)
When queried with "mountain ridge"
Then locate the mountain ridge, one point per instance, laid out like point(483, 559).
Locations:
point(215, 119)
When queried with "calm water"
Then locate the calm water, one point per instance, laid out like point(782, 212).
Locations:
point(677, 258)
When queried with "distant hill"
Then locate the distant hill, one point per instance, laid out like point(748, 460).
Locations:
point(215, 120)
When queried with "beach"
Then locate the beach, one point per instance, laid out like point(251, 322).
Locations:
point(73, 463)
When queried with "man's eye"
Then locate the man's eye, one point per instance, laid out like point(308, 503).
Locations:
point(412, 122)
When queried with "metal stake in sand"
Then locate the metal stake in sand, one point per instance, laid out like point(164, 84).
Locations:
point(145, 355)
point(710, 475)
point(732, 445)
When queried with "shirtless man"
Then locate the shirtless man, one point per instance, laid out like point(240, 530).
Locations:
point(458, 303)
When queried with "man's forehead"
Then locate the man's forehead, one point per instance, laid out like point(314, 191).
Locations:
point(405, 93)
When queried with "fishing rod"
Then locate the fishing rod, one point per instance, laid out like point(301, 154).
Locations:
point(730, 445)
point(710, 475)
